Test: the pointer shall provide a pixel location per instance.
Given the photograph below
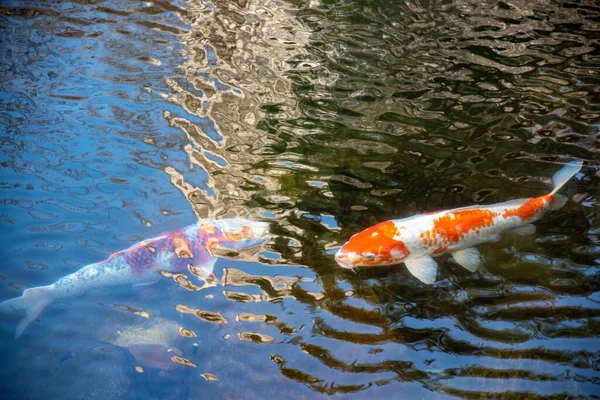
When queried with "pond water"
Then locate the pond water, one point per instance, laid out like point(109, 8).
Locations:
point(121, 120)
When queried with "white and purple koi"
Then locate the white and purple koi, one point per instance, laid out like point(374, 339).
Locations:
point(141, 264)
point(415, 240)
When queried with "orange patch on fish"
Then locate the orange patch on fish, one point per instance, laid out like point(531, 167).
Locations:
point(440, 250)
point(235, 236)
point(208, 228)
point(382, 236)
point(528, 210)
point(399, 247)
point(211, 245)
point(453, 226)
point(181, 248)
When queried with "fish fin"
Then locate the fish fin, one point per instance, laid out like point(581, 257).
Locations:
point(209, 265)
point(564, 174)
point(32, 302)
point(525, 230)
point(423, 268)
point(558, 202)
point(469, 258)
point(204, 270)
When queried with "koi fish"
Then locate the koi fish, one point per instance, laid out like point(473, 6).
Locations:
point(141, 264)
point(415, 240)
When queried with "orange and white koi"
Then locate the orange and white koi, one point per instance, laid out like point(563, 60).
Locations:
point(415, 240)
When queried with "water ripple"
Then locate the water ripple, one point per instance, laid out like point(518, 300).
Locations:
point(122, 120)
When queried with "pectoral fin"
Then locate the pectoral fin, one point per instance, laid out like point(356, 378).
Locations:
point(469, 258)
point(204, 270)
point(525, 230)
point(423, 268)
point(558, 202)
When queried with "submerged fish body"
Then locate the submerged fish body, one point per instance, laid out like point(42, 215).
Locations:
point(141, 263)
point(415, 240)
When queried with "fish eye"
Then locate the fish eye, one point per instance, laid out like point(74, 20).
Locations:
point(369, 256)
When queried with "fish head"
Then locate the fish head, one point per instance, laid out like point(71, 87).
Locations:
point(378, 245)
point(237, 233)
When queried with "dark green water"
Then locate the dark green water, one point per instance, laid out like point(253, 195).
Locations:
point(121, 120)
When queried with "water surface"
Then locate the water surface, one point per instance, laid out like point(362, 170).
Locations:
point(122, 120)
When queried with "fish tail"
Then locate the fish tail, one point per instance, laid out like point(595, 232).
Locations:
point(564, 174)
point(32, 302)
